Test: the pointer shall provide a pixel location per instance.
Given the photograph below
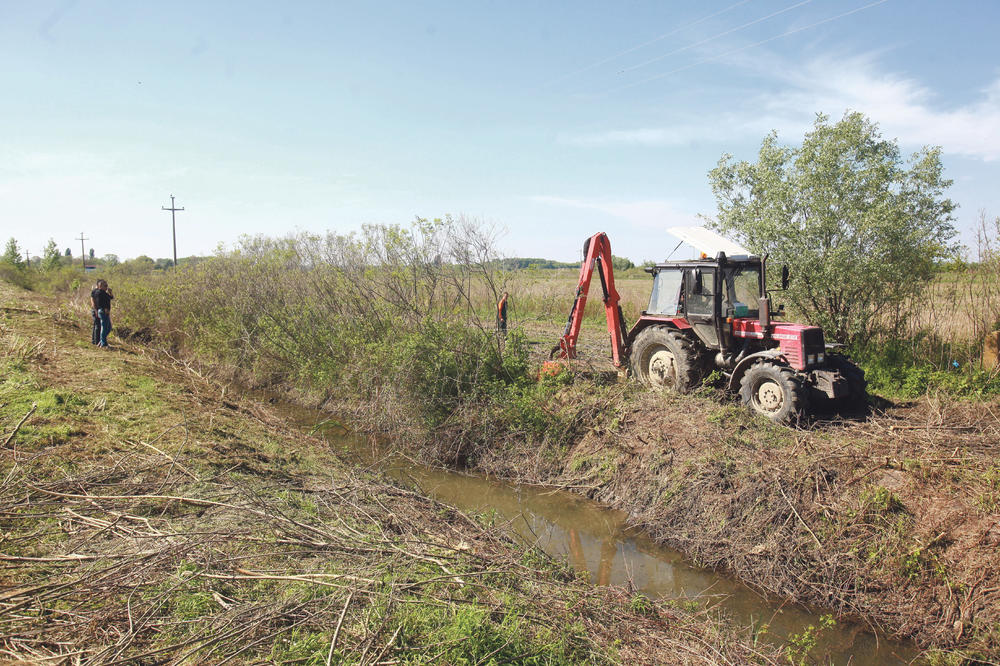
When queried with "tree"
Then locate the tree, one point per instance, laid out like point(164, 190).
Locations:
point(621, 263)
point(141, 264)
point(111, 260)
point(91, 253)
point(69, 252)
point(51, 259)
point(860, 229)
point(12, 255)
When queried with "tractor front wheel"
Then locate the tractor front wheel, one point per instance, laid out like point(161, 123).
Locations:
point(666, 359)
point(774, 391)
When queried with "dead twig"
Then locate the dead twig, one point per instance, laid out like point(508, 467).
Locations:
point(18, 426)
point(336, 631)
point(792, 507)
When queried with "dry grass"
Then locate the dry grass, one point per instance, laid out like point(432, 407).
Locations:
point(547, 295)
point(148, 514)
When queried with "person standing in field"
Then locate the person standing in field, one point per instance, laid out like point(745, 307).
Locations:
point(502, 314)
point(101, 299)
point(95, 329)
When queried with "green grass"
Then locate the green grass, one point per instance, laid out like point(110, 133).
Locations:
point(898, 370)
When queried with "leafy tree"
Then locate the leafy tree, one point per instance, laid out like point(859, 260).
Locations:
point(91, 253)
point(51, 259)
point(621, 263)
point(12, 255)
point(69, 252)
point(111, 260)
point(141, 264)
point(860, 229)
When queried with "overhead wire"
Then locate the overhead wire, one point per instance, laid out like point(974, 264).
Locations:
point(714, 37)
point(645, 44)
point(747, 47)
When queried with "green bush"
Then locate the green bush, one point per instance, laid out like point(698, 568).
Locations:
point(901, 369)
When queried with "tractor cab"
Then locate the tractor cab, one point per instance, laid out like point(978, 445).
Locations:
point(709, 295)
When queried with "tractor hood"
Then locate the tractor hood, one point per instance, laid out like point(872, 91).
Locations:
point(796, 341)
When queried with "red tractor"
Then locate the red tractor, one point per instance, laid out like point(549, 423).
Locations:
point(716, 313)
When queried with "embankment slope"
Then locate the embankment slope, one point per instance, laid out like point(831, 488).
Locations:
point(894, 518)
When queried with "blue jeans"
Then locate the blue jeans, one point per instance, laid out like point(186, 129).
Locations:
point(105, 326)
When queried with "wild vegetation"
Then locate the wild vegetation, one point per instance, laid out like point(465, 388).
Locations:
point(151, 514)
point(395, 327)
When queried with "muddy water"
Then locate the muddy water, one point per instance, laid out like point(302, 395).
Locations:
point(597, 540)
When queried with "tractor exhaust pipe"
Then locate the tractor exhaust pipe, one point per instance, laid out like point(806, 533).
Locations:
point(764, 308)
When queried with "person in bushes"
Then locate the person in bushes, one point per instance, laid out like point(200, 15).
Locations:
point(101, 299)
point(502, 314)
point(95, 329)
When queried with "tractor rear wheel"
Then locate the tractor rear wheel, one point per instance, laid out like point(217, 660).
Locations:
point(666, 359)
point(774, 391)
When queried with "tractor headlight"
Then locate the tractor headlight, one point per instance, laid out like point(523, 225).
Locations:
point(811, 359)
point(820, 357)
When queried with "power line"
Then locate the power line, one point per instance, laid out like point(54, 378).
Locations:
point(645, 44)
point(173, 224)
point(748, 46)
point(714, 37)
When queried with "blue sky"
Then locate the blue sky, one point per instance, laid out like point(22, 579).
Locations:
point(550, 120)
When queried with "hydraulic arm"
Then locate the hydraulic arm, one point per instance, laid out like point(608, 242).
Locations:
point(596, 254)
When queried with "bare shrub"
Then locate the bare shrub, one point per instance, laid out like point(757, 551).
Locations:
point(401, 318)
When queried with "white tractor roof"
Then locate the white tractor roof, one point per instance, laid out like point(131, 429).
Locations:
point(709, 242)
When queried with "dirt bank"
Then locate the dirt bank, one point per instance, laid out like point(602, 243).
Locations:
point(893, 519)
point(149, 515)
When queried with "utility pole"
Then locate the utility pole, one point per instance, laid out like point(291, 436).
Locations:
point(83, 255)
point(173, 223)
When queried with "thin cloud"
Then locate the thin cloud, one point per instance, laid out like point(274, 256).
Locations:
point(902, 107)
point(650, 214)
point(674, 135)
point(602, 61)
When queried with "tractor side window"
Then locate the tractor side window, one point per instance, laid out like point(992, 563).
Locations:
point(701, 292)
point(666, 293)
point(745, 290)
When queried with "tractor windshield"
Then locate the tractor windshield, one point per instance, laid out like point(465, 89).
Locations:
point(743, 291)
point(666, 292)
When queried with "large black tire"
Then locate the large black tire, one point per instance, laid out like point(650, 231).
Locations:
point(774, 391)
point(857, 398)
point(666, 359)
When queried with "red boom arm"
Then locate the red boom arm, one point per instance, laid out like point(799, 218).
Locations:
point(596, 254)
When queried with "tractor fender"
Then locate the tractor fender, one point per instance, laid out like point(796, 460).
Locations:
point(644, 321)
point(774, 355)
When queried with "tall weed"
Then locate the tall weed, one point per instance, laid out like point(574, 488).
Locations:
point(402, 318)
